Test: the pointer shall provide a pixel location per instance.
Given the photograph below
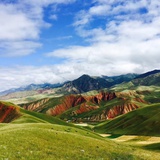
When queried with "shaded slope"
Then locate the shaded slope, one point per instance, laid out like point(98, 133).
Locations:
point(143, 121)
point(121, 78)
point(31, 87)
point(8, 112)
point(85, 83)
point(148, 74)
point(153, 79)
point(149, 81)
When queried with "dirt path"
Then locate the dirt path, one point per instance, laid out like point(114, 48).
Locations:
point(104, 135)
point(143, 140)
point(82, 124)
point(151, 140)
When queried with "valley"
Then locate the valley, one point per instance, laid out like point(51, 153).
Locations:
point(117, 122)
point(79, 80)
point(38, 136)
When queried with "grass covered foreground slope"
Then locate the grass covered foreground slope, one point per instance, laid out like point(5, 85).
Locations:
point(143, 121)
point(35, 136)
point(38, 141)
point(11, 113)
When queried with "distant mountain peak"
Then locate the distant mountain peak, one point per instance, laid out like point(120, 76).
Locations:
point(86, 83)
point(148, 73)
point(84, 76)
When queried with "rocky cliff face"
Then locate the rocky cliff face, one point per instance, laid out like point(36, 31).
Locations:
point(8, 113)
point(113, 112)
point(34, 106)
point(103, 96)
point(121, 109)
point(77, 107)
point(75, 100)
point(67, 103)
point(84, 108)
point(86, 83)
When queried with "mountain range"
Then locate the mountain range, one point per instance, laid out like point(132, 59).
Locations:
point(48, 116)
point(31, 135)
point(82, 84)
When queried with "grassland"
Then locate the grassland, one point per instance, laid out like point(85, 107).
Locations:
point(143, 121)
point(36, 141)
point(36, 136)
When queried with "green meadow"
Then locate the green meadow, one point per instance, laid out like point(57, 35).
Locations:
point(36, 136)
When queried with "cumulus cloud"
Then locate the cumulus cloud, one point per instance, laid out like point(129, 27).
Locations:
point(128, 40)
point(21, 22)
point(18, 48)
point(53, 17)
point(15, 25)
point(46, 2)
point(125, 39)
point(21, 76)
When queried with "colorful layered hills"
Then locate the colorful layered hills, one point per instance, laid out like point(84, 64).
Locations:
point(81, 85)
point(94, 101)
point(38, 136)
point(8, 112)
point(47, 121)
point(99, 107)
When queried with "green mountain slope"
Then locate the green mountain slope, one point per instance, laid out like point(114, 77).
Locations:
point(14, 114)
point(153, 79)
point(143, 121)
point(34, 117)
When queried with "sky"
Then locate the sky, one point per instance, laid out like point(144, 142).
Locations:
point(58, 40)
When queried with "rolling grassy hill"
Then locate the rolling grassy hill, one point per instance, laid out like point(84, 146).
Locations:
point(143, 121)
point(40, 141)
point(35, 136)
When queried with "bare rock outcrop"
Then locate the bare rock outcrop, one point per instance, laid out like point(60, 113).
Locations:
point(8, 113)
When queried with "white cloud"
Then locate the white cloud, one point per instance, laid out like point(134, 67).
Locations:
point(99, 10)
point(82, 21)
point(21, 22)
point(21, 76)
point(18, 48)
point(125, 43)
point(46, 2)
point(15, 25)
point(18, 31)
point(53, 17)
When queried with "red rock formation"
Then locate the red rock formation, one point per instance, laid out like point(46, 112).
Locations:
point(114, 112)
point(121, 109)
point(102, 96)
point(140, 100)
point(74, 100)
point(8, 113)
point(68, 102)
point(34, 106)
point(85, 108)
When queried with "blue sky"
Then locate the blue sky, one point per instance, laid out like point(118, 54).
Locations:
point(58, 40)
